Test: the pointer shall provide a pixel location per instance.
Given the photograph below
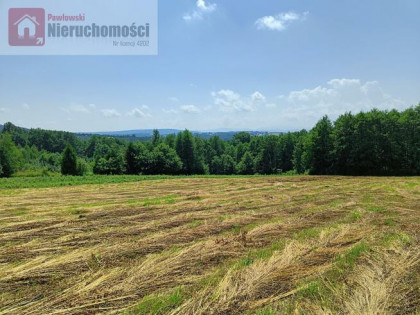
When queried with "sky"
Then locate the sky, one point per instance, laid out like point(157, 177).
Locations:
point(230, 65)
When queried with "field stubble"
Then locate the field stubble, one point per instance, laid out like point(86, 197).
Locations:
point(263, 245)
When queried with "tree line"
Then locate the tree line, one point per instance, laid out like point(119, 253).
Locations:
point(368, 143)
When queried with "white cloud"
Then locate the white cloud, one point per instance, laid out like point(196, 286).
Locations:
point(77, 108)
point(4, 110)
point(202, 8)
point(230, 101)
point(190, 109)
point(345, 95)
point(338, 96)
point(279, 22)
point(93, 106)
point(136, 112)
point(301, 108)
point(258, 97)
point(170, 111)
point(201, 4)
point(110, 113)
point(26, 106)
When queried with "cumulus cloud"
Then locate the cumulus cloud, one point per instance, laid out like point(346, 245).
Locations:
point(201, 4)
point(139, 113)
point(303, 108)
point(4, 110)
point(190, 109)
point(258, 97)
point(202, 8)
point(26, 106)
point(279, 22)
point(341, 95)
point(109, 113)
point(230, 101)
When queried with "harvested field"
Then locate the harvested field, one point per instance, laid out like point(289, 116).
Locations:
point(240, 245)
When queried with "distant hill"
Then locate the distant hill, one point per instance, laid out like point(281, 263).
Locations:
point(227, 135)
point(144, 134)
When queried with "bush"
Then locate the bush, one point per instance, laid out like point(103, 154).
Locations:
point(82, 167)
point(112, 164)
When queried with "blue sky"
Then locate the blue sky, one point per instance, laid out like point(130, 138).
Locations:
point(230, 65)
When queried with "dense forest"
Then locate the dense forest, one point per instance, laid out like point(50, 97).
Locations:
point(372, 143)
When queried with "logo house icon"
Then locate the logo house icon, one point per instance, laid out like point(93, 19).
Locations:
point(26, 27)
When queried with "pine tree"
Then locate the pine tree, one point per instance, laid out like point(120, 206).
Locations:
point(185, 148)
point(298, 152)
point(131, 161)
point(156, 138)
point(69, 161)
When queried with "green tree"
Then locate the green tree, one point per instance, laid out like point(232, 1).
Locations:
point(370, 152)
point(156, 139)
point(69, 161)
point(10, 156)
point(298, 160)
point(344, 144)
point(247, 165)
point(287, 146)
point(319, 148)
point(170, 140)
point(240, 151)
point(83, 167)
point(164, 160)
point(100, 166)
point(223, 165)
point(228, 165)
point(268, 160)
point(241, 137)
point(111, 164)
point(218, 145)
point(19, 135)
point(131, 161)
point(409, 137)
point(186, 149)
